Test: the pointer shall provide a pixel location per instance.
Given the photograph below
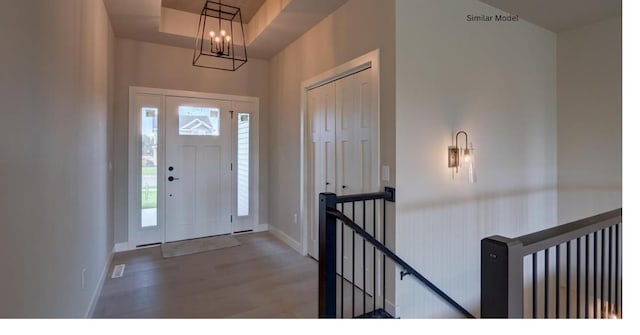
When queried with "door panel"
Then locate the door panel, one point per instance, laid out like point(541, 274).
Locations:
point(341, 155)
point(198, 168)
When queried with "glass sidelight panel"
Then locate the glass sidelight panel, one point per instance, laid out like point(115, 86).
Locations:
point(149, 166)
point(243, 163)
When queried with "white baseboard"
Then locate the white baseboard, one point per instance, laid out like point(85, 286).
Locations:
point(120, 247)
point(98, 290)
point(295, 245)
point(391, 308)
point(262, 227)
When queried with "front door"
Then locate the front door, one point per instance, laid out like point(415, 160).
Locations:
point(198, 171)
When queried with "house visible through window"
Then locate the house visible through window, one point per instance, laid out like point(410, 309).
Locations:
point(199, 121)
point(243, 164)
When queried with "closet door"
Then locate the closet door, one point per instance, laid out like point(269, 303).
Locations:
point(341, 152)
point(354, 133)
point(321, 104)
point(354, 171)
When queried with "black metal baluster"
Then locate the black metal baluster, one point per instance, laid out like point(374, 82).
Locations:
point(342, 276)
point(615, 297)
point(535, 285)
point(353, 262)
point(586, 277)
point(578, 261)
point(384, 257)
point(568, 301)
point(557, 281)
point(595, 275)
point(609, 299)
point(546, 283)
point(619, 270)
point(364, 259)
point(375, 258)
point(602, 268)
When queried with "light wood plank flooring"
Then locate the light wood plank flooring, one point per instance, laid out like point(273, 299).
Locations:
point(262, 278)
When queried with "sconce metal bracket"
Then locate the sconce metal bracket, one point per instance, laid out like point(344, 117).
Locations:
point(454, 154)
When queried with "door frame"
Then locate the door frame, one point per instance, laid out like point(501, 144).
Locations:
point(134, 143)
point(368, 60)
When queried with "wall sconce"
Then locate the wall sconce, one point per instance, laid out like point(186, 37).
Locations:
point(459, 157)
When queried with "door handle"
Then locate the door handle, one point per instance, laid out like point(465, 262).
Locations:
point(171, 178)
point(343, 187)
point(327, 183)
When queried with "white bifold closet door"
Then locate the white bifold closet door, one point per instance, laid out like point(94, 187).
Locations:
point(342, 160)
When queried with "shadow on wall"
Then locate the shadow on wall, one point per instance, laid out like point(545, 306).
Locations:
point(441, 239)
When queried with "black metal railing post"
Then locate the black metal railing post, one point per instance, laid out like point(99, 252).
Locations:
point(501, 277)
point(502, 259)
point(327, 257)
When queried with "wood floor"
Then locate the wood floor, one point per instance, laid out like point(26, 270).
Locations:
point(261, 278)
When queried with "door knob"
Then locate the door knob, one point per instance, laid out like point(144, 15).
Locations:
point(343, 187)
point(171, 168)
point(327, 183)
point(171, 178)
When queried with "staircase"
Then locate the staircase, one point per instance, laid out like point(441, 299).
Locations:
point(355, 261)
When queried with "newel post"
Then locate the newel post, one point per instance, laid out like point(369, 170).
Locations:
point(327, 257)
point(501, 291)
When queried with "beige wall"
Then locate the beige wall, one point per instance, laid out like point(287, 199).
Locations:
point(497, 81)
point(54, 140)
point(590, 120)
point(353, 30)
point(159, 66)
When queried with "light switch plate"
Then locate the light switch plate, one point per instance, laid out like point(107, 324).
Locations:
point(385, 173)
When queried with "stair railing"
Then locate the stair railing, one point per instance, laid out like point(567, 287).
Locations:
point(568, 271)
point(366, 283)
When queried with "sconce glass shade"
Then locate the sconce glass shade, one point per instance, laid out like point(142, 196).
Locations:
point(462, 158)
point(220, 42)
point(470, 162)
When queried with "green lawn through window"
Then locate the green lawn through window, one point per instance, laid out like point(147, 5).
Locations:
point(149, 197)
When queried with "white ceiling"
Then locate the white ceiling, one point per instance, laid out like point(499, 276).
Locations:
point(248, 8)
point(560, 15)
point(273, 24)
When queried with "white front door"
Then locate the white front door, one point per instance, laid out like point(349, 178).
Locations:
point(198, 170)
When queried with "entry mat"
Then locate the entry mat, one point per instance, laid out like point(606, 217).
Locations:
point(188, 247)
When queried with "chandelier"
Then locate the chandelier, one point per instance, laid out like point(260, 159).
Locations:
point(220, 42)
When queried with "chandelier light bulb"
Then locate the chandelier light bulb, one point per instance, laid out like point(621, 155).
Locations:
point(212, 34)
point(223, 33)
point(228, 38)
